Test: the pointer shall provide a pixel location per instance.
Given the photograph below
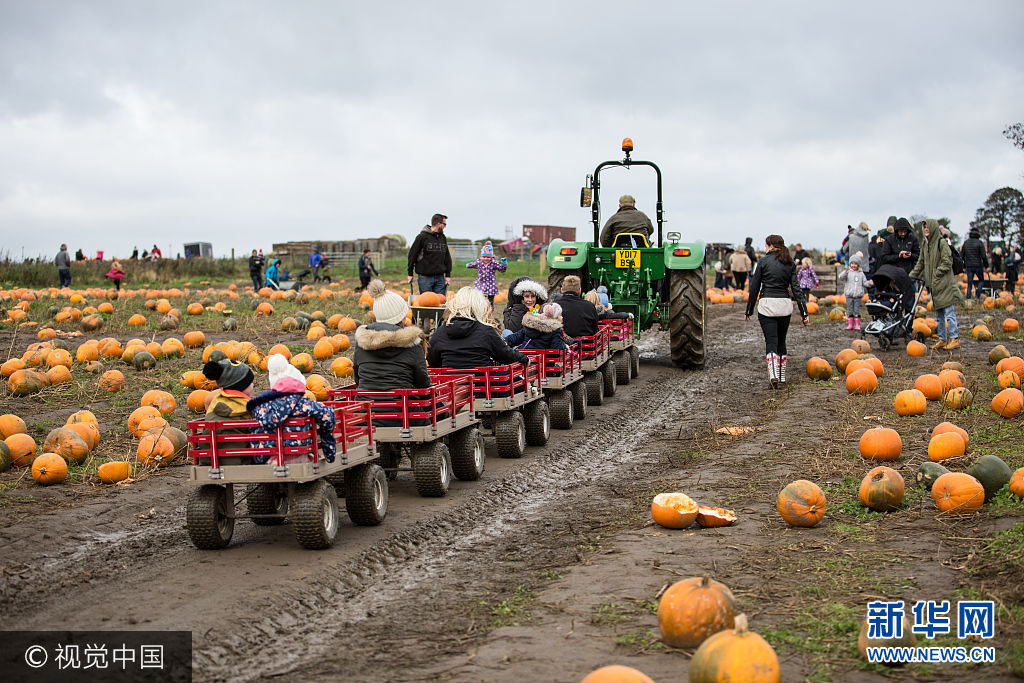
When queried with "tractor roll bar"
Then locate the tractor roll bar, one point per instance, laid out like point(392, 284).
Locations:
point(595, 209)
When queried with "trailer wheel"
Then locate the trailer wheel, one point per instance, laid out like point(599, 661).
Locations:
point(432, 468)
point(337, 480)
point(634, 361)
point(608, 371)
point(267, 499)
point(207, 517)
point(366, 494)
point(315, 514)
point(560, 403)
point(466, 448)
point(622, 371)
point(595, 387)
point(510, 435)
point(389, 458)
point(579, 400)
point(538, 422)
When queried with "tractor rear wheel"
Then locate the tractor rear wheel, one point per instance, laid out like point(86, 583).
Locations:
point(686, 317)
point(556, 276)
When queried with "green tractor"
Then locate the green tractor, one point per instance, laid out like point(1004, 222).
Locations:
point(661, 284)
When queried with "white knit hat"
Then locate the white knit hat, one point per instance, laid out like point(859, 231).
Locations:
point(279, 368)
point(388, 307)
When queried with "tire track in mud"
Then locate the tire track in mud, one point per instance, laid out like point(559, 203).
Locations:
point(383, 576)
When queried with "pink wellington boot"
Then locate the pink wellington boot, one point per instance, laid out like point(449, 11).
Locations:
point(856, 323)
point(849, 323)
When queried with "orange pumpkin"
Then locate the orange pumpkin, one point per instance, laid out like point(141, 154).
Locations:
point(58, 375)
point(66, 443)
point(930, 386)
point(958, 398)
point(194, 308)
point(347, 325)
point(1017, 483)
point(304, 362)
point(87, 352)
point(281, 349)
point(856, 364)
point(916, 349)
point(958, 493)
point(342, 367)
point(818, 369)
point(616, 673)
point(197, 400)
point(159, 399)
point(997, 353)
point(1011, 325)
point(882, 489)
point(951, 379)
point(49, 468)
point(946, 445)
point(112, 381)
point(735, 655)
point(862, 381)
point(945, 427)
point(801, 503)
point(137, 320)
point(881, 443)
point(860, 345)
point(910, 402)
point(11, 424)
point(323, 349)
point(1015, 363)
point(876, 365)
point(674, 510)
point(1009, 380)
point(692, 610)
point(715, 517)
point(341, 343)
point(89, 432)
point(155, 450)
point(59, 357)
point(265, 309)
point(22, 448)
point(319, 386)
point(1008, 403)
point(11, 366)
point(138, 415)
point(24, 382)
point(114, 471)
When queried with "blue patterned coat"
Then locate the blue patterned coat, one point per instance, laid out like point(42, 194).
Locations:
point(272, 408)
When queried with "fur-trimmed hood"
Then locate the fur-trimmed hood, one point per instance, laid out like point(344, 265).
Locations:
point(540, 323)
point(383, 335)
point(531, 286)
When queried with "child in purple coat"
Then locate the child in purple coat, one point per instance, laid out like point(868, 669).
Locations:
point(485, 266)
point(807, 278)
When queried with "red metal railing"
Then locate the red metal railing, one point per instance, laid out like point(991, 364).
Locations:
point(593, 346)
point(554, 362)
point(440, 400)
point(619, 330)
point(236, 438)
point(494, 381)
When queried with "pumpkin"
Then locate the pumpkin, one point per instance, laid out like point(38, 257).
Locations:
point(304, 362)
point(347, 325)
point(1011, 325)
point(843, 358)
point(1008, 379)
point(159, 399)
point(66, 443)
point(857, 364)
point(735, 655)
point(616, 673)
point(112, 381)
point(281, 349)
point(87, 352)
point(229, 324)
point(11, 424)
point(324, 349)
point(89, 432)
point(144, 360)
point(944, 427)
point(992, 472)
point(860, 345)
point(818, 369)
point(22, 448)
point(692, 610)
point(92, 323)
point(24, 382)
point(916, 349)
point(928, 472)
point(881, 443)
point(951, 379)
point(674, 510)
point(138, 415)
point(862, 381)
point(342, 367)
point(177, 437)
point(341, 343)
point(319, 386)
point(711, 518)
point(882, 489)
point(801, 503)
point(137, 320)
point(997, 353)
point(196, 401)
point(1017, 483)
point(194, 309)
point(836, 314)
point(1008, 403)
point(930, 386)
point(5, 457)
point(49, 468)
point(58, 357)
point(944, 446)
point(910, 402)
point(94, 367)
point(959, 398)
point(958, 493)
point(155, 450)
point(908, 639)
point(265, 309)
point(1015, 363)
point(83, 416)
point(11, 366)
point(114, 471)
point(58, 375)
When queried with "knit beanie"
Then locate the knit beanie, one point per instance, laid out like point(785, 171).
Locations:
point(388, 307)
point(488, 250)
point(552, 311)
point(284, 376)
point(229, 374)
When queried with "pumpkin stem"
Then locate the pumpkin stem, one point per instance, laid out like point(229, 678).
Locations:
point(705, 581)
point(740, 625)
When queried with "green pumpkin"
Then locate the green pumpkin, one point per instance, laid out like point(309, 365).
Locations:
point(5, 457)
point(323, 318)
point(928, 472)
point(144, 360)
point(992, 472)
point(230, 324)
point(289, 324)
point(168, 322)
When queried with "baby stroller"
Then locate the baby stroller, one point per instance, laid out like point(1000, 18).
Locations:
point(892, 306)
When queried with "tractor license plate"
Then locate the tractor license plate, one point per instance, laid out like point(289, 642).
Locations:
point(627, 258)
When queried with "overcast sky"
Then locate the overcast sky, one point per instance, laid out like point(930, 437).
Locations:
point(246, 123)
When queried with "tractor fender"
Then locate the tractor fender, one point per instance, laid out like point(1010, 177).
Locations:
point(681, 262)
point(556, 259)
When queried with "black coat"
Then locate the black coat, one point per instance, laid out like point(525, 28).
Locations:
point(894, 244)
point(255, 265)
point(579, 316)
point(429, 254)
point(538, 332)
point(466, 343)
point(389, 357)
point(774, 279)
point(973, 254)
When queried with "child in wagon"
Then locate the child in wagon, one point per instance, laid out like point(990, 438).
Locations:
point(542, 330)
point(286, 399)
point(486, 281)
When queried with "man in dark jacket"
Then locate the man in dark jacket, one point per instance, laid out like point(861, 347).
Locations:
point(63, 263)
point(901, 247)
point(799, 253)
point(627, 219)
point(255, 270)
point(430, 259)
point(579, 317)
point(366, 269)
point(975, 261)
point(748, 247)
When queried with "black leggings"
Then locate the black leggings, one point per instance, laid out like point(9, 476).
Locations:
point(741, 280)
point(775, 330)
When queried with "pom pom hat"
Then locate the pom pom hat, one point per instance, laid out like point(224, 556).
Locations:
point(487, 251)
point(284, 376)
point(229, 374)
point(388, 307)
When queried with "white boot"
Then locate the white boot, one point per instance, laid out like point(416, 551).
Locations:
point(782, 368)
point(773, 369)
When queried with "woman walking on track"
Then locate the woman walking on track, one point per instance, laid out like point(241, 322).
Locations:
point(775, 281)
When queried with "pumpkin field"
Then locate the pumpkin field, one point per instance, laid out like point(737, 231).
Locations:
point(871, 476)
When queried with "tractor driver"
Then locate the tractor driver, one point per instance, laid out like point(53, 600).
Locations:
point(627, 219)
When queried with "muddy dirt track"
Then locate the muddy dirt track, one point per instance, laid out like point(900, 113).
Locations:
point(546, 568)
